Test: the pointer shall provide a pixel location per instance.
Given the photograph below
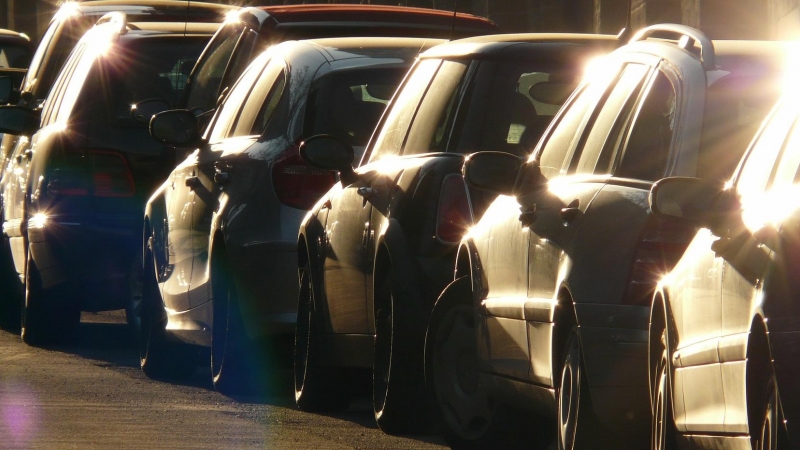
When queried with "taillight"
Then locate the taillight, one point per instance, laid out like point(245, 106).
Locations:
point(98, 173)
point(296, 183)
point(454, 215)
point(662, 245)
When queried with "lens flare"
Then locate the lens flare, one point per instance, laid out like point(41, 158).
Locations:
point(19, 415)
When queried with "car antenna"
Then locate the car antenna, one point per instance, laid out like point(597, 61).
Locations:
point(625, 33)
point(453, 26)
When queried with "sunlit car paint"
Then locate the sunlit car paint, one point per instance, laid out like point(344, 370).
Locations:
point(728, 311)
point(242, 218)
point(571, 267)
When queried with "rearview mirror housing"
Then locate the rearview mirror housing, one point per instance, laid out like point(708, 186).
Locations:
point(143, 111)
point(177, 127)
point(492, 171)
point(687, 199)
point(328, 152)
point(18, 120)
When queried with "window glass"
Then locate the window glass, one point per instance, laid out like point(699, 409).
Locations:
point(240, 59)
point(63, 43)
point(511, 103)
point(436, 111)
point(232, 104)
point(348, 104)
point(736, 104)
point(265, 95)
point(48, 113)
point(650, 139)
point(786, 174)
point(393, 132)
point(14, 56)
point(204, 87)
point(758, 166)
point(71, 86)
point(614, 110)
point(556, 148)
point(44, 44)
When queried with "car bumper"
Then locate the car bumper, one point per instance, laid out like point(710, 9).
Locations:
point(91, 262)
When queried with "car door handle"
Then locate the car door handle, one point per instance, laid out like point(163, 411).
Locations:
point(221, 177)
point(192, 182)
point(528, 217)
point(569, 213)
point(367, 192)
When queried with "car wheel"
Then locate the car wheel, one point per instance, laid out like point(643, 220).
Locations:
point(576, 424)
point(765, 435)
point(47, 316)
point(11, 292)
point(317, 387)
point(662, 429)
point(133, 308)
point(397, 395)
point(230, 359)
point(160, 358)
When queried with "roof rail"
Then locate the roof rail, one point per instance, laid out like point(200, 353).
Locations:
point(688, 37)
point(117, 18)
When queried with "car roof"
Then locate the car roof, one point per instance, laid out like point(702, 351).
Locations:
point(346, 48)
point(150, 10)
point(495, 45)
point(12, 35)
point(370, 16)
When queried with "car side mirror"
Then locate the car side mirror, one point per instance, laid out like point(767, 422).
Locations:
point(143, 111)
point(177, 127)
point(18, 120)
point(690, 200)
point(492, 171)
point(328, 152)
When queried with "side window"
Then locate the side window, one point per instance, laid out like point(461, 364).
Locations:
point(757, 169)
point(437, 111)
point(229, 111)
point(611, 118)
point(556, 147)
point(57, 94)
point(73, 86)
point(650, 138)
point(204, 87)
point(393, 132)
point(38, 57)
point(266, 93)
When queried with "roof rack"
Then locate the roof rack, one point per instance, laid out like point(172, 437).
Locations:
point(688, 37)
point(117, 18)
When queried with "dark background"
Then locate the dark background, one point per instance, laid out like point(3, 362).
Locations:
point(721, 19)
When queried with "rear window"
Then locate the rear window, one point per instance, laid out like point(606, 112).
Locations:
point(736, 104)
point(348, 104)
point(14, 56)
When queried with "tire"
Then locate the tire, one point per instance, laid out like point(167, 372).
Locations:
point(48, 316)
point(12, 291)
point(577, 425)
point(233, 365)
point(133, 307)
point(766, 436)
point(317, 388)
point(398, 399)
point(160, 358)
point(662, 429)
point(469, 418)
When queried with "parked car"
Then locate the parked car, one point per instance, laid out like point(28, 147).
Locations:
point(723, 326)
point(71, 21)
point(252, 30)
point(379, 247)
point(15, 55)
point(220, 233)
point(75, 189)
point(551, 294)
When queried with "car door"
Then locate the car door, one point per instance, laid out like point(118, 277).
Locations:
point(764, 202)
point(230, 134)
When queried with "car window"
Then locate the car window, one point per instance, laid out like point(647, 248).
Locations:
point(262, 100)
point(228, 112)
point(240, 59)
point(504, 108)
point(611, 117)
point(204, 87)
point(649, 141)
point(44, 44)
point(757, 168)
point(555, 148)
point(65, 39)
point(735, 107)
point(436, 111)
point(48, 113)
point(389, 141)
point(349, 103)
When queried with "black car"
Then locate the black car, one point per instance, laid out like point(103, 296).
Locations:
point(75, 189)
point(378, 248)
